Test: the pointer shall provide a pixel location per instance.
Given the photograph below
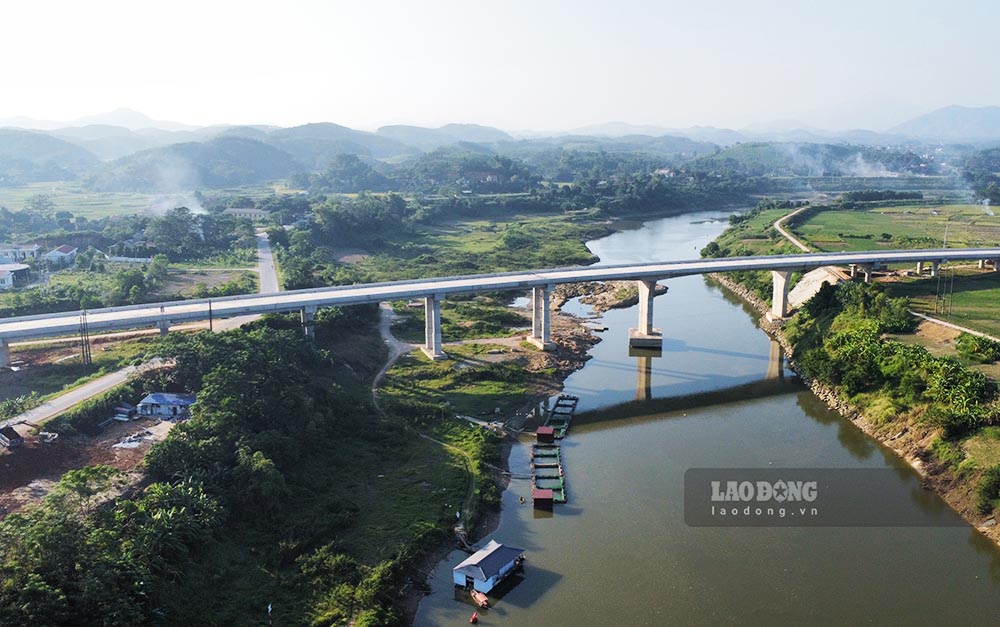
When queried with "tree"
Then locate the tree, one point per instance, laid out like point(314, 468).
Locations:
point(175, 233)
point(40, 203)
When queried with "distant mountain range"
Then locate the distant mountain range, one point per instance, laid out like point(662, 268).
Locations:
point(126, 150)
point(954, 124)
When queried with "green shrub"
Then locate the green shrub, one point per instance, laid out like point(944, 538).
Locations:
point(950, 453)
point(976, 348)
point(988, 490)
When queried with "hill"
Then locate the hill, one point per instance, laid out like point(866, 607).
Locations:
point(217, 163)
point(475, 133)
point(417, 136)
point(315, 145)
point(954, 123)
point(27, 156)
point(130, 119)
point(806, 159)
point(105, 141)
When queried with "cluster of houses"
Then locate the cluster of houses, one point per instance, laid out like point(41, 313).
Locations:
point(14, 260)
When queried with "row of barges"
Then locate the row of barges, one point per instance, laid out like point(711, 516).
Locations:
point(548, 479)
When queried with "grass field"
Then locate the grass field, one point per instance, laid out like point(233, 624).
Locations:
point(973, 301)
point(62, 368)
point(417, 378)
point(836, 230)
point(481, 317)
point(74, 197)
point(504, 244)
point(757, 236)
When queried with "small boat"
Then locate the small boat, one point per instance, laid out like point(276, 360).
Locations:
point(480, 599)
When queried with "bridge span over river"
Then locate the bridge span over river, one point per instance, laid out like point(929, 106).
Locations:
point(434, 290)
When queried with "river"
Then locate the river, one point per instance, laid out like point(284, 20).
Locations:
point(620, 553)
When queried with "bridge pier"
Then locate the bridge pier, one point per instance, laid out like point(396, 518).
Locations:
point(935, 268)
point(541, 318)
point(920, 268)
point(432, 328)
point(995, 267)
point(164, 326)
point(308, 315)
point(4, 354)
point(645, 336)
point(779, 293)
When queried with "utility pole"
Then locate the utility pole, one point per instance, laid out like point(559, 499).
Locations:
point(951, 294)
point(85, 339)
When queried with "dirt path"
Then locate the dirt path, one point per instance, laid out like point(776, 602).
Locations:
point(813, 280)
point(398, 348)
point(955, 327)
point(779, 226)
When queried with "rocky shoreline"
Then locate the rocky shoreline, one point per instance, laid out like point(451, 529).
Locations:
point(600, 295)
point(910, 442)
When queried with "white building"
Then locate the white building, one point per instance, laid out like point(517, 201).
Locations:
point(19, 252)
point(60, 257)
point(166, 405)
point(255, 215)
point(11, 274)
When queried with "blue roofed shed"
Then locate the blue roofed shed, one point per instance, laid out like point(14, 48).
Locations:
point(488, 566)
point(166, 405)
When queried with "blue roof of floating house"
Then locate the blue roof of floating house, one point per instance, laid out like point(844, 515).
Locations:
point(166, 398)
point(487, 561)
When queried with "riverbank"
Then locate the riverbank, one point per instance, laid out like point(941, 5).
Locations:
point(572, 342)
point(911, 442)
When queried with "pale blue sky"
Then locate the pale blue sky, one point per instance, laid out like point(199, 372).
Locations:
point(540, 65)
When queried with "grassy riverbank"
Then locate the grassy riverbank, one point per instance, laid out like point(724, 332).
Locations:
point(935, 410)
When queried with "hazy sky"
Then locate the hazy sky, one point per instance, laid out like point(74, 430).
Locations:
point(543, 65)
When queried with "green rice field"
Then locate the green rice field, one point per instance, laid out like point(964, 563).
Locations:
point(911, 226)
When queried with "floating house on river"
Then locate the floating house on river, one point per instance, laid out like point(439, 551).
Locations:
point(488, 566)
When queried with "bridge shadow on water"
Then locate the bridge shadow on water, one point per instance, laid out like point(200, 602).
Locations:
point(662, 408)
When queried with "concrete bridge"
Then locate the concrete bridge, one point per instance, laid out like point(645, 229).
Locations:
point(433, 291)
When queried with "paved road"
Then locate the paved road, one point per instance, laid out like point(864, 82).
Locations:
point(265, 265)
point(64, 402)
point(184, 311)
point(74, 397)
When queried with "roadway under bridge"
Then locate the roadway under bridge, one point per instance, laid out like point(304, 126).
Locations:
point(433, 291)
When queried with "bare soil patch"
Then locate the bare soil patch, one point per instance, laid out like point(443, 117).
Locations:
point(184, 281)
point(27, 473)
point(350, 255)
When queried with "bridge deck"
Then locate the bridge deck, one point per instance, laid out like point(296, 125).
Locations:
point(181, 311)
